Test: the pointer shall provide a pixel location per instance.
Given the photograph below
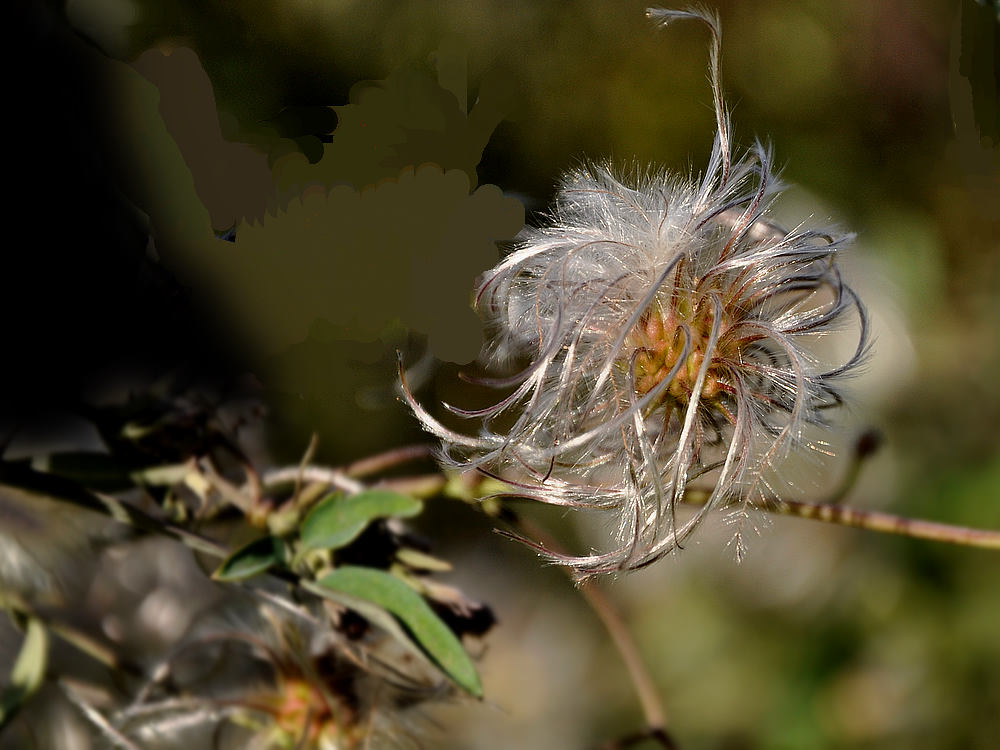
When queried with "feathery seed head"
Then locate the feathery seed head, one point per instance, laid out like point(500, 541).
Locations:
point(666, 326)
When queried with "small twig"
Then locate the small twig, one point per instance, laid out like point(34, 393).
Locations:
point(307, 458)
point(129, 514)
point(866, 445)
point(598, 600)
point(282, 603)
point(333, 477)
point(89, 646)
point(95, 717)
point(426, 485)
point(224, 487)
point(382, 461)
point(612, 620)
point(830, 511)
point(79, 640)
point(885, 523)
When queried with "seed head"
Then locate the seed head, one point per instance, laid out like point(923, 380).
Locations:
point(666, 324)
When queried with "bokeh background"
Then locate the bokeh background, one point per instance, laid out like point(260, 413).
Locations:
point(192, 201)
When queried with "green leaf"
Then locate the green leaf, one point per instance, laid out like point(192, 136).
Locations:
point(422, 625)
point(338, 520)
point(29, 669)
point(252, 559)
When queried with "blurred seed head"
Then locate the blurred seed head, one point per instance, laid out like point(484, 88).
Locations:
point(668, 330)
point(45, 545)
point(305, 686)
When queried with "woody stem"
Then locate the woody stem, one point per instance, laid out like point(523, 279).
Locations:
point(598, 600)
point(885, 523)
point(831, 511)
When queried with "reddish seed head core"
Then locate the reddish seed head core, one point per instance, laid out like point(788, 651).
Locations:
point(658, 342)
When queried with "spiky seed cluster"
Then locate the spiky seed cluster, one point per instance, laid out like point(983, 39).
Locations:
point(304, 686)
point(666, 325)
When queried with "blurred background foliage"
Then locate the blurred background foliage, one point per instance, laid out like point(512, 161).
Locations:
point(164, 144)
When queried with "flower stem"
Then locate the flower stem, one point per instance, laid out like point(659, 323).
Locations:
point(423, 486)
point(292, 474)
point(599, 601)
point(382, 461)
point(831, 511)
point(642, 681)
point(885, 523)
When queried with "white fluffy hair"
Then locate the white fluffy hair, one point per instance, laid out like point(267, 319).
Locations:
point(665, 324)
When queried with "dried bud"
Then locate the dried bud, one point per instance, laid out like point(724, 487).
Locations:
point(667, 323)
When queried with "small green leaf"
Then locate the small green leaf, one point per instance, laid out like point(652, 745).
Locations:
point(29, 669)
point(338, 520)
point(252, 559)
point(426, 629)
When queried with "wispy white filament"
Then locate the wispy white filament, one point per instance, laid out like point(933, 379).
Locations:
point(664, 323)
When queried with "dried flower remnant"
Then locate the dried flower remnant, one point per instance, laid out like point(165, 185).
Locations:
point(303, 686)
point(667, 326)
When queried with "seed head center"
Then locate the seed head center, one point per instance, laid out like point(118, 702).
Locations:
point(657, 343)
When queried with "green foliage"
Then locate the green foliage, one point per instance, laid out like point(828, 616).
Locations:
point(338, 520)
point(394, 596)
point(252, 559)
point(869, 113)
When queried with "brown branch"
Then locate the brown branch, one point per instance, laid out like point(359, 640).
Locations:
point(885, 523)
point(642, 682)
point(374, 464)
point(831, 511)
